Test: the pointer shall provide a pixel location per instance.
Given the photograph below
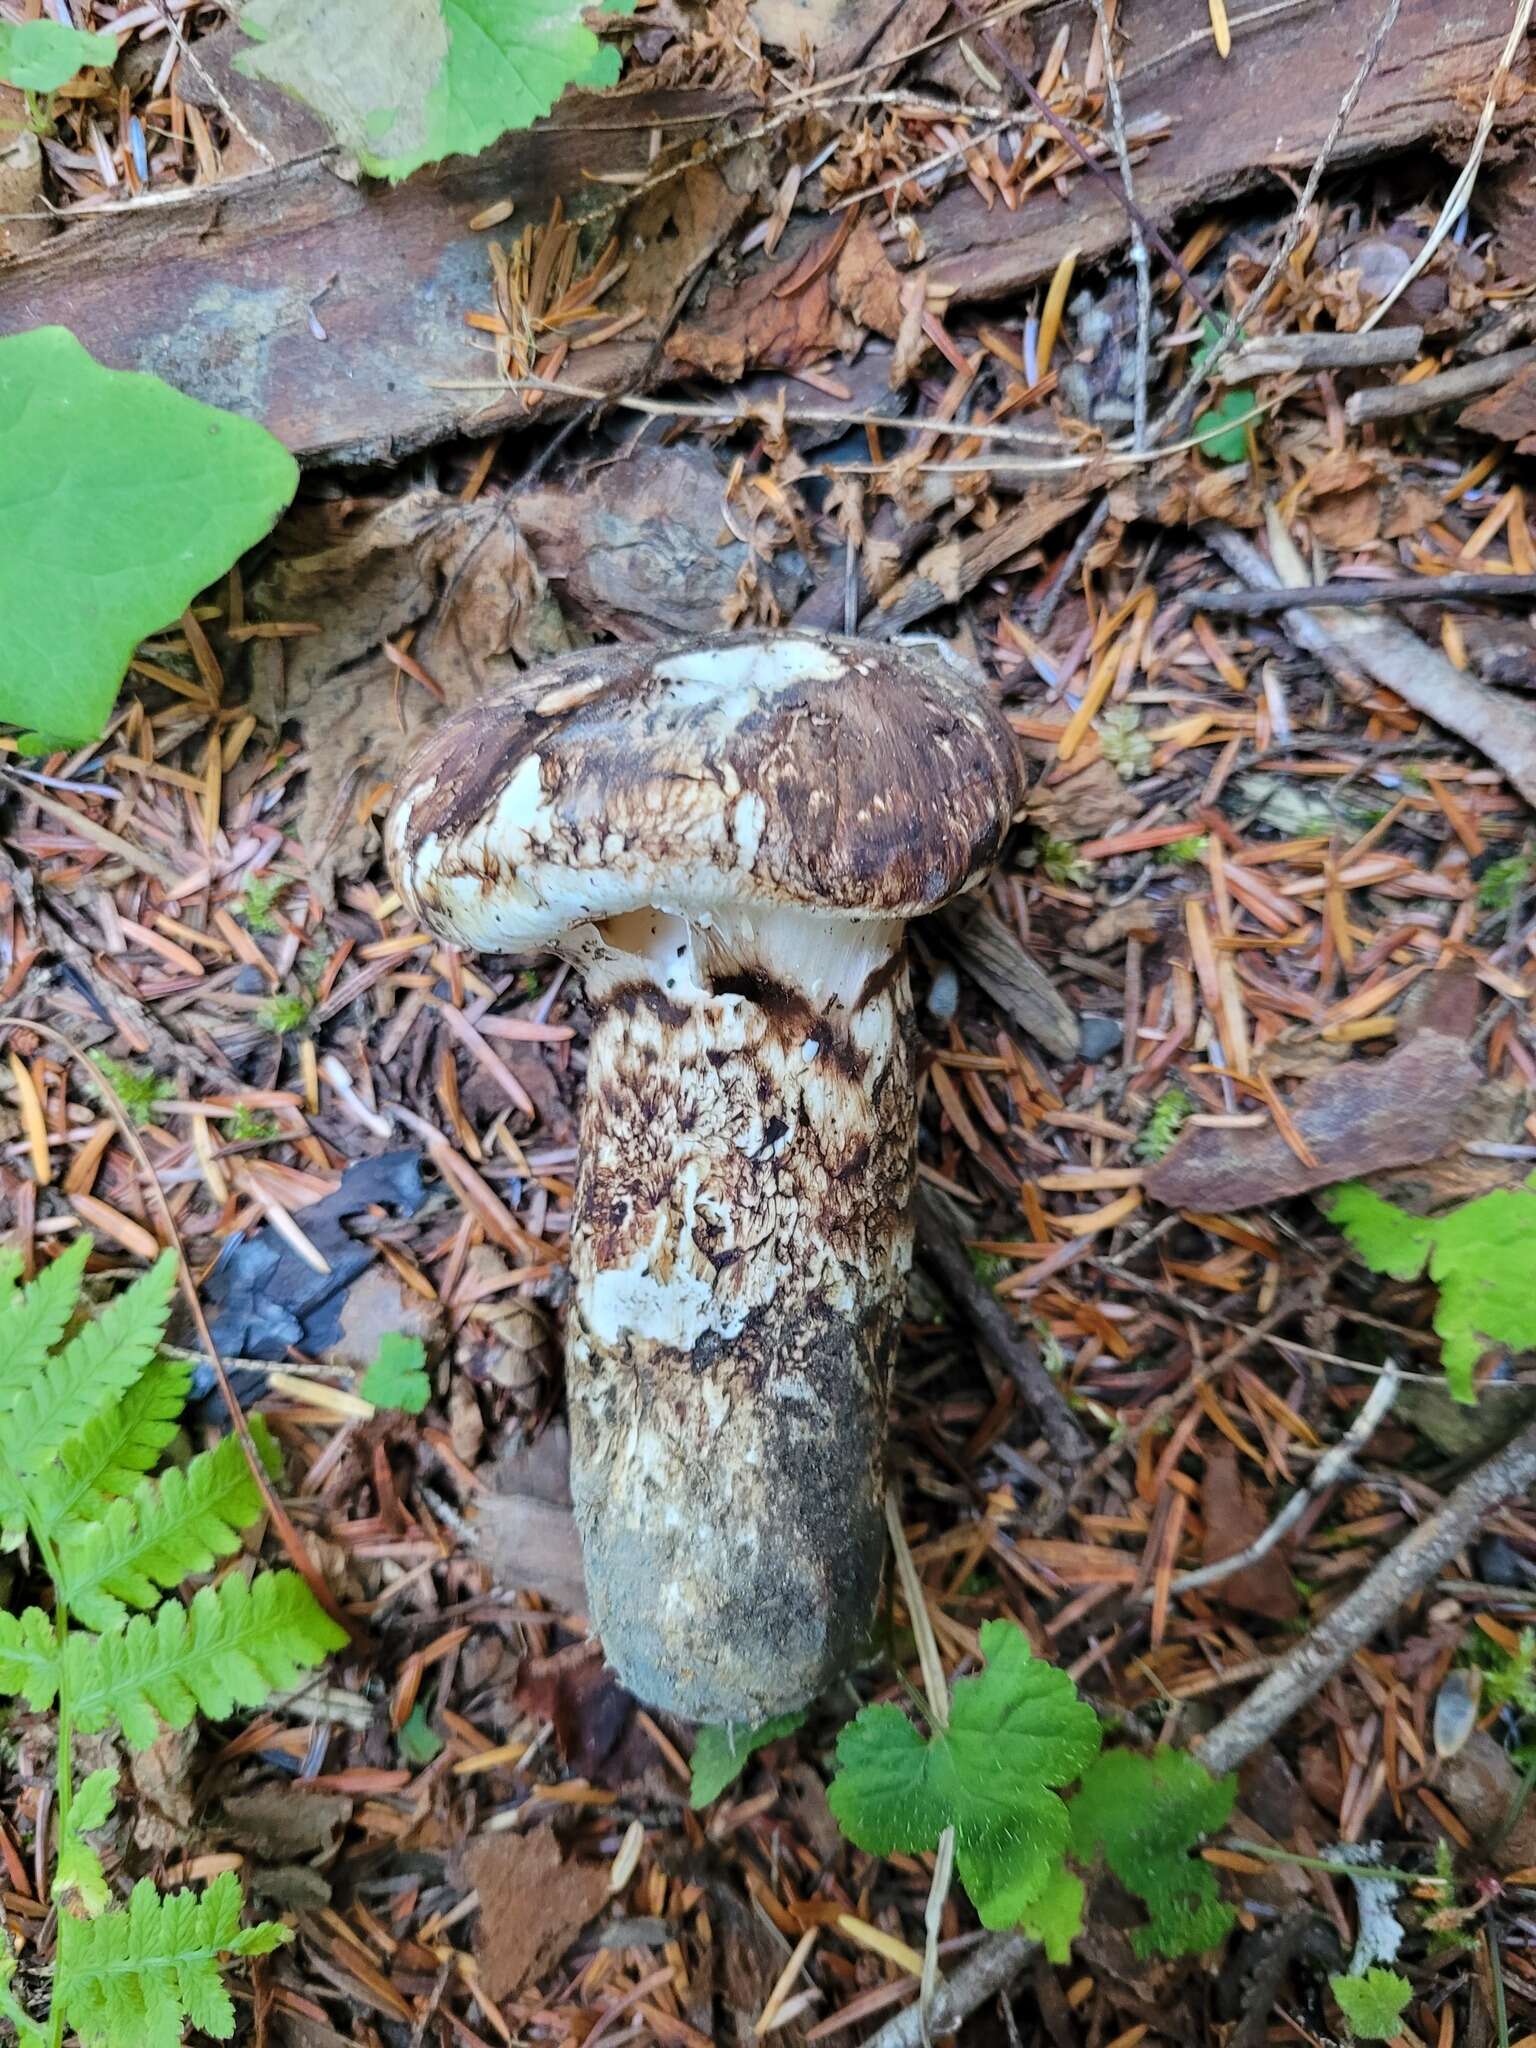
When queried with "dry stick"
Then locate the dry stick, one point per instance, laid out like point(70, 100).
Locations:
point(998, 1331)
point(1402, 1574)
point(1270, 355)
point(1140, 260)
point(1335, 1466)
point(1244, 559)
point(936, 1690)
point(1232, 333)
point(1358, 590)
point(1397, 1579)
point(1422, 676)
point(1401, 401)
point(1072, 561)
point(288, 1535)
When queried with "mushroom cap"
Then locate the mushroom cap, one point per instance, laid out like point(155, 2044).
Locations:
point(757, 771)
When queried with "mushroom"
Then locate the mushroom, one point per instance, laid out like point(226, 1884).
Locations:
point(727, 838)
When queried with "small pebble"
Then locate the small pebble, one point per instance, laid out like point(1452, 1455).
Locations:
point(944, 995)
point(1097, 1036)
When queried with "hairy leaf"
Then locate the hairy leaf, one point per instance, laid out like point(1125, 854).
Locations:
point(720, 1754)
point(168, 1529)
point(401, 83)
point(397, 1377)
point(120, 499)
point(140, 1973)
point(234, 1645)
point(1373, 2004)
point(1055, 1918)
point(1145, 1813)
point(1482, 1257)
point(1015, 1731)
point(93, 1371)
point(40, 56)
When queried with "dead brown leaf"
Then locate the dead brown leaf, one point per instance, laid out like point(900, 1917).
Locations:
point(1357, 1119)
point(525, 1529)
point(1509, 413)
point(461, 575)
point(640, 547)
point(533, 1904)
point(1235, 1516)
point(777, 318)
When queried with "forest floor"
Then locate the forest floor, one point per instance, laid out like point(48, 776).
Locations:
point(892, 357)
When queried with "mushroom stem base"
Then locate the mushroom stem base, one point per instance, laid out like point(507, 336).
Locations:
point(739, 1251)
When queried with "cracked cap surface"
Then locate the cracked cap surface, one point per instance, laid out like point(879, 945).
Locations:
point(763, 770)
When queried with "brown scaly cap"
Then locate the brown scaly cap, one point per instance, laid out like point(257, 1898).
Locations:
point(762, 769)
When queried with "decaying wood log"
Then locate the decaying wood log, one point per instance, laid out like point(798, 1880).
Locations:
point(334, 312)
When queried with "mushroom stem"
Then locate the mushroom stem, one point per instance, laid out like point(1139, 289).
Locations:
point(740, 1246)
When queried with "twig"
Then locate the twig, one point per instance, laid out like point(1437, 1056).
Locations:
point(1399, 1577)
point(991, 1968)
point(1357, 590)
point(997, 1329)
point(1336, 1465)
point(936, 1690)
point(1270, 355)
point(1072, 561)
point(1244, 559)
point(97, 835)
point(1401, 401)
point(1140, 260)
point(1461, 192)
point(1293, 1681)
point(1422, 676)
point(1232, 333)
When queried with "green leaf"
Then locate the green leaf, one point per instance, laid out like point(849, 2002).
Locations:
point(402, 83)
point(120, 500)
point(77, 1873)
point(1231, 417)
point(397, 1377)
point(1015, 1731)
point(1145, 1813)
point(113, 1450)
point(29, 1658)
point(40, 56)
point(720, 1755)
point(1482, 1257)
point(93, 1371)
point(1055, 1918)
point(237, 1643)
point(140, 1973)
point(31, 1328)
point(28, 2033)
point(1373, 2004)
point(418, 1741)
point(168, 1529)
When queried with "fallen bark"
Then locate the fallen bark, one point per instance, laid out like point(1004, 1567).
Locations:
point(1235, 123)
point(334, 312)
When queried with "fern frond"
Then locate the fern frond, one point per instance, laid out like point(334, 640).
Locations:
point(34, 1324)
point(168, 1529)
point(114, 1450)
point(10, 1280)
point(140, 1972)
point(94, 1370)
point(233, 1646)
point(29, 1658)
point(28, 2033)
